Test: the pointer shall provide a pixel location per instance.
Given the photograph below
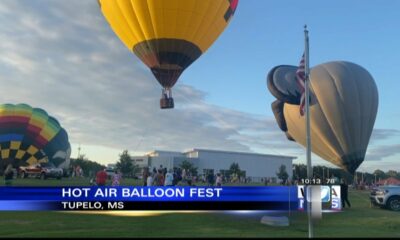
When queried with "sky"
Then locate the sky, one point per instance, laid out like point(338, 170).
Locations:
point(62, 56)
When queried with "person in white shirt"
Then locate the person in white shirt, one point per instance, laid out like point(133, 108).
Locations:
point(169, 178)
point(218, 181)
point(150, 180)
point(183, 174)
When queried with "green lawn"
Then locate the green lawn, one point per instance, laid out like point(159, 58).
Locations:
point(358, 221)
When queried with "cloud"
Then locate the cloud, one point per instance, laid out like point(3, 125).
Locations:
point(65, 59)
point(381, 145)
point(383, 134)
point(378, 153)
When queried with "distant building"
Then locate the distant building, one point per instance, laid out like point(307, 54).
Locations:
point(111, 165)
point(140, 161)
point(256, 166)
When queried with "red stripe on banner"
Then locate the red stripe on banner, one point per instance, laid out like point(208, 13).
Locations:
point(301, 85)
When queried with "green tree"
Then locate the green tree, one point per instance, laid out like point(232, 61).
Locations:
point(188, 166)
point(235, 169)
point(392, 173)
point(90, 168)
point(282, 173)
point(300, 171)
point(379, 174)
point(125, 165)
point(82, 157)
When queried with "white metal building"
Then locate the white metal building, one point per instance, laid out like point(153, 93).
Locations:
point(256, 166)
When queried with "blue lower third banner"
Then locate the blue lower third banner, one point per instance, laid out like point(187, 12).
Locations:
point(282, 198)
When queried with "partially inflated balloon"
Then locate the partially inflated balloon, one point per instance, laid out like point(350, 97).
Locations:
point(170, 35)
point(29, 135)
point(344, 103)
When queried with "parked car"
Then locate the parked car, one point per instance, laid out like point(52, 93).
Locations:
point(42, 170)
point(110, 172)
point(386, 197)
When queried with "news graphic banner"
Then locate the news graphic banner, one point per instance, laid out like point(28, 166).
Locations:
point(328, 197)
point(283, 198)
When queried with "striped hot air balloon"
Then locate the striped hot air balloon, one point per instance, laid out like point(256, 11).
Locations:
point(169, 35)
point(29, 136)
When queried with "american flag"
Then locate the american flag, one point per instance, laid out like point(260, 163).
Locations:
point(301, 78)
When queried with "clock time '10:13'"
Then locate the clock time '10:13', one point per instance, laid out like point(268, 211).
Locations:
point(316, 181)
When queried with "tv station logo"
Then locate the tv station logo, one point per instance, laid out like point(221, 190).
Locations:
point(330, 197)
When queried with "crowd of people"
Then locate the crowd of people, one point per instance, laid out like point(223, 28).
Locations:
point(164, 177)
point(155, 177)
point(178, 177)
point(76, 171)
point(102, 177)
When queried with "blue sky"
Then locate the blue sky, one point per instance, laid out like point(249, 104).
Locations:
point(264, 34)
point(63, 57)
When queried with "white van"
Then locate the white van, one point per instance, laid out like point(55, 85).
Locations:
point(110, 172)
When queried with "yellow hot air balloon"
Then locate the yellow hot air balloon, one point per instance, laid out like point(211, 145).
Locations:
point(344, 104)
point(168, 35)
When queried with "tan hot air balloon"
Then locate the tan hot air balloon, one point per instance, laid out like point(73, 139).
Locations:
point(168, 35)
point(344, 104)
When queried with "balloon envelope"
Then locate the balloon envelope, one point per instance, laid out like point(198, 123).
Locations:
point(343, 111)
point(168, 36)
point(29, 136)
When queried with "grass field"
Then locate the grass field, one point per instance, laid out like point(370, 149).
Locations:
point(358, 221)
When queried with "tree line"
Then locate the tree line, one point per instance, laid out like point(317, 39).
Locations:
point(129, 169)
point(125, 165)
point(300, 172)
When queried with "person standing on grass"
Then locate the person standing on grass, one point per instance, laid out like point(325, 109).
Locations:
point(101, 177)
point(71, 171)
point(150, 180)
point(174, 177)
point(218, 181)
point(344, 193)
point(8, 175)
point(169, 178)
point(116, 179)
point(145, 175)
point(210, 179)
point(77, 171)
point(160, 179)
point(156, 179)
point(183, 174)
point(165, 171)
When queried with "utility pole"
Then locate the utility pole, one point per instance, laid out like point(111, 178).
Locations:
point(79, 151)
point(308, 134)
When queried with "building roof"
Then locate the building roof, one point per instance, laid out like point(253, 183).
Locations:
point(162, 151)
point(233, 152)
point(389, 181)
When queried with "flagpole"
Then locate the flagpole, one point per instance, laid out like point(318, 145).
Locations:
point(308, 137)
